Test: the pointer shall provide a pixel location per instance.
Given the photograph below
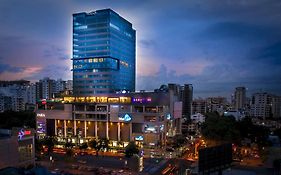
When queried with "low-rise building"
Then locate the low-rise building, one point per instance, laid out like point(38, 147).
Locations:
point(199, 106)
point(17, 147)
point(147, 117)
point(198, 118)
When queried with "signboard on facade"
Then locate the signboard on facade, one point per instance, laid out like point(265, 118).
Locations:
point(23, 132)
point(141, 99)
point(125, 118)
point(40, 115)
point(139, 138)
point(41, 123)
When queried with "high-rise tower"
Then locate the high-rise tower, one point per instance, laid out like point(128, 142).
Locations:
point(104, 54)
point(240, 97)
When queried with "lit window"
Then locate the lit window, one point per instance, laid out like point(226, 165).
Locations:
point(114, 26)
point(81, 27)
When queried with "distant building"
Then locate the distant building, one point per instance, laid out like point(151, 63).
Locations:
point(69, 85)
point(60, 86)
point(31, 93)
point(104, 53)
point(199, 106)
point(265, 105)
point(240, 98)
point(260, 105)
point(186, 96)
point(217, 104)
point(39, 93)
point(198, 118)
point(276, 106)
point(48, 87)
point(14, 95)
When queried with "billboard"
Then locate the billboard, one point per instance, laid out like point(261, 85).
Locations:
point(214, 159)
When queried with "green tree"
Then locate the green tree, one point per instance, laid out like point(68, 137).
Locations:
point(68, 145)
point(278, 133)
point(38, 146)
point(83, 146)
point(220, 128)
point(257, 134)
point(131, 149)
point(9, 119)
point(178, 141)
point(93, 144)
point(103, 143)
point(50, 142)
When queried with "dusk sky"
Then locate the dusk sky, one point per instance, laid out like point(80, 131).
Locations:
point(215, 45)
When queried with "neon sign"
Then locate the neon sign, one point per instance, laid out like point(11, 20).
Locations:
point(141, 100)
point(150, 129)
point(23, 133)
point(169, 117)
point(125, 118)
point(139, 138)
point(40, 115)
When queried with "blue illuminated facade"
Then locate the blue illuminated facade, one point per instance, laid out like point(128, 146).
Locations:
point(104, 58)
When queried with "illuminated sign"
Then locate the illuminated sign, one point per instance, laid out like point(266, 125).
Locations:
point(125, 118)
point(41, 127)
point(141, 166)
point(141, 100)
point(139, 138)
point(169, 117)
point(150, 129)
point(23, 133)
point(161, 127)
point(40, 115)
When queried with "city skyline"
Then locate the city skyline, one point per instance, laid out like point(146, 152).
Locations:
point(216, 46)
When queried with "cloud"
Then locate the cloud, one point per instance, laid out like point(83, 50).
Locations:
point(215, 45)
point(147, 43)
point(162, 76)
point(56, 52)
point(270, 54)
point(9, 68)
point(52, 71)
point(238, 30)
point(217, 79)
point(23, 73)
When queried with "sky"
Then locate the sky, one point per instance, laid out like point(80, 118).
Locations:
point(214, 45)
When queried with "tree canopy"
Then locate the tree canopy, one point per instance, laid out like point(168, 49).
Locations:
point(219, 128)
point(9, 119)
point(131, 149)
point(227, 129)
